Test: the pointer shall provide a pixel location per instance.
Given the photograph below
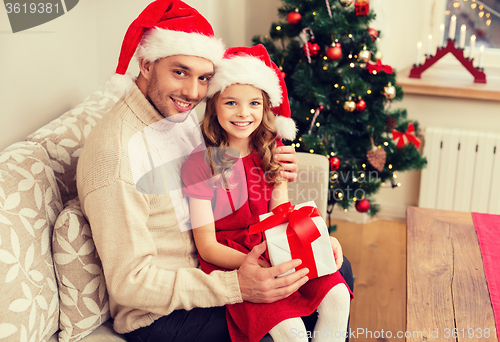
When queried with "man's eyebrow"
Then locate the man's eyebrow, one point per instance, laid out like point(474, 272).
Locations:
point(180, 65)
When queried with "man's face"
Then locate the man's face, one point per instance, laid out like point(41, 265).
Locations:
point(177, 84)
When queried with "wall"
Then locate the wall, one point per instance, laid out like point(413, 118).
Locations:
point(49, 69)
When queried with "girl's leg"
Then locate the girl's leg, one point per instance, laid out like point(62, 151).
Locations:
point(333, 313)
point(292, 329)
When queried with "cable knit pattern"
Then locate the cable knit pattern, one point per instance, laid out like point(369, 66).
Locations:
point(150, 263)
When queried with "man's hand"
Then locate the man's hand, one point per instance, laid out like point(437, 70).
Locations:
point(337, 252)
point(286, 156)
point(261, 285)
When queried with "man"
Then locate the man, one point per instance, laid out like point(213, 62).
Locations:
point(142, 234)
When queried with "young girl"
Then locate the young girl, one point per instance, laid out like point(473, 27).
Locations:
point(234, 179)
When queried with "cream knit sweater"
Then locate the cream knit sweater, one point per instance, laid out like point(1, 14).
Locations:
point(150, 263)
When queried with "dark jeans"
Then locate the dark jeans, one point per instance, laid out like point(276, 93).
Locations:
point(199, 324)
point(206, 324)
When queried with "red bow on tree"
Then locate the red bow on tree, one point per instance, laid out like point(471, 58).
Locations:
point(379, 67)
point(402, 139)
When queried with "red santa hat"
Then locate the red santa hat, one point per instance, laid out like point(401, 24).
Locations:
point(167, 28)
point(253, 66)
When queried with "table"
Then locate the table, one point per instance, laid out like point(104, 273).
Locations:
point(447, 294)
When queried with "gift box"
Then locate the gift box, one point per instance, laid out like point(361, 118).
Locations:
point(297, 232)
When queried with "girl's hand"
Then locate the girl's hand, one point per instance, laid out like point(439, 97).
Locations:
point(286, 156)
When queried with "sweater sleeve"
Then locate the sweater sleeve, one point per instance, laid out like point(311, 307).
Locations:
point(118, 215)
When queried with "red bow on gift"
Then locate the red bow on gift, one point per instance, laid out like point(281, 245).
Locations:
point(402, 139)
point(378, 67)
point(301, 232)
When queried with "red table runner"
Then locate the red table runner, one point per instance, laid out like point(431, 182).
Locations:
point(488, 233)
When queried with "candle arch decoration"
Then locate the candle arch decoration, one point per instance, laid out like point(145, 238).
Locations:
point(478, 73)
point(467, 62)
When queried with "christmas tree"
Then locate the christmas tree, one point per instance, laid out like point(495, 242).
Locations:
point(341, 94)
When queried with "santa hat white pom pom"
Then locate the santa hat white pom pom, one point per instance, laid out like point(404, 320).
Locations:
point(120, 84)
point(286, 128)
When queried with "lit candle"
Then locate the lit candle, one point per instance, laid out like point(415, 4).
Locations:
point(453, 27)
point(419, 51)
point(461, 45)
point(441, 37)
point(480, 59)
point(472, 46)
point(429, 48)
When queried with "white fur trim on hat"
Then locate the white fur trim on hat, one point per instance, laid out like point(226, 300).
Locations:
point(285, 127)
point(158, 43)
point(120, 84)
point(246, 70)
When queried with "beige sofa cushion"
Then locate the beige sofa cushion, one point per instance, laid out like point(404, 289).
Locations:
point(104, 333)
point(82, 290)
point(29, 204)
point(65, 136)
point(312, 181)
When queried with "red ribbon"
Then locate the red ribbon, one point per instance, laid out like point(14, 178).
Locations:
point(378, 67)
point(404, 138)
point(301, 232)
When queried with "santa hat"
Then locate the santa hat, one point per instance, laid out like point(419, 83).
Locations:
point(167, 28)
point(253, 66)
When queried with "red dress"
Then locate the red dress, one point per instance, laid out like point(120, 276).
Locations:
point(234, 211)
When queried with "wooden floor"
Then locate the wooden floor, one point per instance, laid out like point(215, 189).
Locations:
point(377, 252)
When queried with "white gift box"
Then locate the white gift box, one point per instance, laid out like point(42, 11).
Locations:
point(279, 249)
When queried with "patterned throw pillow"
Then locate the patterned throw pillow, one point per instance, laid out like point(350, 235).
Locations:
point(29, 205)
point(82, 290)
point(65, 136)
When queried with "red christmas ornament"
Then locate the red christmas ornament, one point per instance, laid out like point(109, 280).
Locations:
point(362, 7)
point(294, 18)
point(360, 105)
point(334, 163)
point(334, 52)
point(283, 75)
point(363, 205)
point(373, 33)
point(313, 48)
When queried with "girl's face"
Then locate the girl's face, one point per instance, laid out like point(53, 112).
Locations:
point(239, 112)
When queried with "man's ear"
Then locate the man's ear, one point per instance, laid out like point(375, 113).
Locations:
point(146, 68)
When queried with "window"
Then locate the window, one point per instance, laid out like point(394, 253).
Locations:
point(481, 19)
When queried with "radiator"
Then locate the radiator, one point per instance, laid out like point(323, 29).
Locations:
point(463, 171)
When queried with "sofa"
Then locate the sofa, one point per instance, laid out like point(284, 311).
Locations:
point(51, 281)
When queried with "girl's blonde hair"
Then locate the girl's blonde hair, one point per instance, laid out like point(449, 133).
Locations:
point(263, 139)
